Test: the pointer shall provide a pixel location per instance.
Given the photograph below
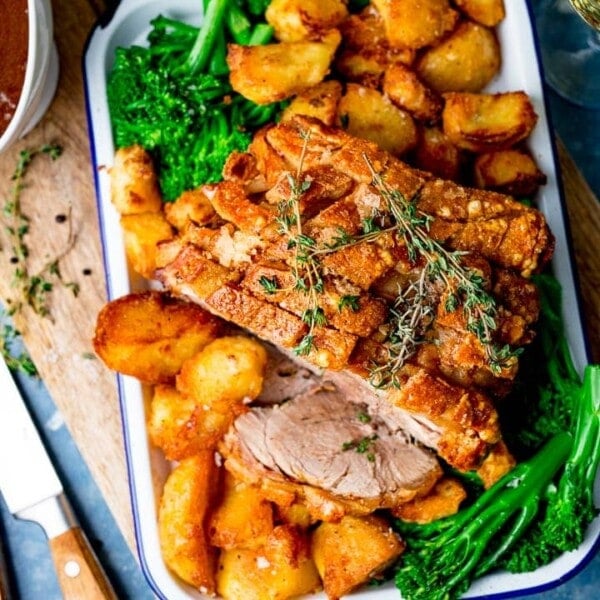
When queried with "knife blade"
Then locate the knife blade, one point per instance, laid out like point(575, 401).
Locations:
point(33, 491)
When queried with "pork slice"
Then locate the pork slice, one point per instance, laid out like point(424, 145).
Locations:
point(321, 440)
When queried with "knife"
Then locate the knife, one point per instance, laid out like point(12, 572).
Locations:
point(33, 492)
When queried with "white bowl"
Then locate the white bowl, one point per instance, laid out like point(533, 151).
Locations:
point(41, 74)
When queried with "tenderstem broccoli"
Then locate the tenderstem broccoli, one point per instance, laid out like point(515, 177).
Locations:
point(174, 98)
point(537, 511)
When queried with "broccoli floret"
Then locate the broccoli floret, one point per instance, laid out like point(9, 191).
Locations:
point(174, 97)
point(443, 558)
point(570, 505)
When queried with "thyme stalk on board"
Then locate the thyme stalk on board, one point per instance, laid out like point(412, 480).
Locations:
point(32, 288)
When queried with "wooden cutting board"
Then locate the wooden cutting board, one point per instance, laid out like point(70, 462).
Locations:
point(82, 388)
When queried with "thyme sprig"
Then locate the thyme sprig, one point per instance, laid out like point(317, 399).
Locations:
point(413, 311)
point(410, 317)
point(306, 269)
point(9, 337)
point(463, 287)
point(32, 288)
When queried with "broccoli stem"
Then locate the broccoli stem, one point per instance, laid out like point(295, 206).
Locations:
point(444, 557)
point(211, 28)
point(238, 24)
point(260, 35)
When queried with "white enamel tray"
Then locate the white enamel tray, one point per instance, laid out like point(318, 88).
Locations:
point(147, 468)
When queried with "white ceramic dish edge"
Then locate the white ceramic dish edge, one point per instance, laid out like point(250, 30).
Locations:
point(147, 468)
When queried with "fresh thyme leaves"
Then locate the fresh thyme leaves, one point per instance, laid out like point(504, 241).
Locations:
point(363, 417)
point(362, 446)
point(410, 317)
point(350, 302)
point(414, 309)
point(306, 268)
point(20, 361)
point(462, 287)
point(32, 288)
point(270, 285)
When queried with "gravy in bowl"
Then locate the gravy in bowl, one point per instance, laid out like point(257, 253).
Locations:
point(13, 56)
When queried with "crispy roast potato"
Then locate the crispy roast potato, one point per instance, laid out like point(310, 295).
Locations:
point(404, 88)
point(437, 154)
point(365, 53)
point(295, 20)
point(187, 495)
point(242, 518)
point(512, 172)
point(141, 234)
point(281, 568)
point(319, 101)
point(466, 61)
point(486, 12)
point(442, 501)
point(133, 182)
point(149, 335)
point(191, 206)
point(350, 552)
point(366, 113)
point(181, 427)
point(485, 122)
point(416, 23)
point(275, 72)
point(496, 464)
point(225, 374)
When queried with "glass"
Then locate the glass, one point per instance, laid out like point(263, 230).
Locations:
point(569, 36)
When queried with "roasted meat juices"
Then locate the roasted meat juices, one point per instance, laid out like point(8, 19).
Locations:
point(14, 30)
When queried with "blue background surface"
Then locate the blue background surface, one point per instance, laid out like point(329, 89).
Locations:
point(26, 543)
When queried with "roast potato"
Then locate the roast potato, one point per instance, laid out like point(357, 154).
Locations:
point(485, 122)
point(282, 568)
point(350, 552)
point(186, 498)
point(275, 72)
point(319, 101)
point(365, 53)
point(295, 20)
point(466, 61)
point(191, 206)
point(437, 154)
point(416, 23)
point(366, 113)
point(141, 234)
point(225, 374)
point(181, 427)
point(486, 12)
point(133, 182)
point(242, 518)
point(149, 335)
point(511, 171)
point(442, 501)
point(404, 88)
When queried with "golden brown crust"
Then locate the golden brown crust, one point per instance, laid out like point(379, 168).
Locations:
point(441, 386)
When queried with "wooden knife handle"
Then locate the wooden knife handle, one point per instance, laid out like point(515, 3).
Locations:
point(80, 575)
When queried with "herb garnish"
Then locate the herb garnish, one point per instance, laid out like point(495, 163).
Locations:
point(16, 362)
point(32, 289)
point(362, 446)
point(462, 286)
point(414, 309)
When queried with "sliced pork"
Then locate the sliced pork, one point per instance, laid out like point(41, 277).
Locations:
point(321, 440)
point(241, 266)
